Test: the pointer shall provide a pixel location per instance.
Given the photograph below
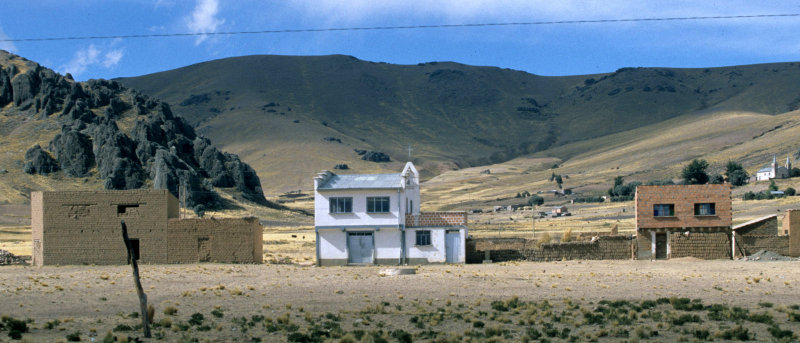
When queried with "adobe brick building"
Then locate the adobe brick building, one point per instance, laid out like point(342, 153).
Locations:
point(791, 228)
point(683, 220)
point(83, 227)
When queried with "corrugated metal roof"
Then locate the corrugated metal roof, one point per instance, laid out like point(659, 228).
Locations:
point(363, 181)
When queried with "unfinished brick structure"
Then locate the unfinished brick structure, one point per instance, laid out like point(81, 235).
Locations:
point(83, 227)
point(759, 234)
point(683, 220)
point(791, 228)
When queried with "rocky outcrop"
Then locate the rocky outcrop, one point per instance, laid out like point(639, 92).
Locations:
point(6, 96)
point(116, 157)
point(160, 147)
point(39, 161)
point(73, 152)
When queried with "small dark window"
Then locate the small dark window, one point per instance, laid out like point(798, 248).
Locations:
point(378, 204)
point(705, 209)
point(423, 237)
point(127, 209)
point(341, 205)
point(664, 210)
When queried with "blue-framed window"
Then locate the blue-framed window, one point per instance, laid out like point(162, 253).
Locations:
point(664, 210)
point(705, 209)
point(341, 205)
point(423, 237)
point(378, 204)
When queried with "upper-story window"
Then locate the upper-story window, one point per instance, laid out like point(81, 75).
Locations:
point(341, 205)
point(664, 210)
point(705, 209)
point(378, 204)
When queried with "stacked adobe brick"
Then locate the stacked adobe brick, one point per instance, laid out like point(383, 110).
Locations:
point(705, 245)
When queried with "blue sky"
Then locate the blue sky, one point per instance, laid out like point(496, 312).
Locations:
point(540, 49)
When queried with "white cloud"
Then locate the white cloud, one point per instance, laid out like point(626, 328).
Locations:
point(112, 58)
point(204, 19)
point(7, 46)
point(85, 58)
point(81, 60)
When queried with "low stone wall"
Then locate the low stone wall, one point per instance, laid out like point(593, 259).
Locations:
point(753, 243)
point(707, 246)
point(515, 249)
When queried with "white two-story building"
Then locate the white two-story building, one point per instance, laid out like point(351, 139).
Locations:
point(365, 219)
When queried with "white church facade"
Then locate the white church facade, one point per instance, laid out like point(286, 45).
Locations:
point(774, 171)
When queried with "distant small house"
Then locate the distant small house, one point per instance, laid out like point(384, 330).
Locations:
point(366, 219)
point(560, 209)
point(774, 171)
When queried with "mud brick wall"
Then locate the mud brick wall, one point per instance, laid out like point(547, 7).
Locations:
point(707, 246)
point(753, 243)
point(766, 227)
point(214, 240)
point(791, 227)
point(83, 227)
point(683, 197)
point(511, 249)
point(500, 249)
point(603, 248)
point(431, 219)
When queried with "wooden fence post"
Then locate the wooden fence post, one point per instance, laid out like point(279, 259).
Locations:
point(142, 297)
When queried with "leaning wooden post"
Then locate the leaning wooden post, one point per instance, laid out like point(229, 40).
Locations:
point(139, 291)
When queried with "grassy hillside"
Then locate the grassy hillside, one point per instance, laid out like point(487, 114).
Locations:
point(276, 111)
point(654, 152)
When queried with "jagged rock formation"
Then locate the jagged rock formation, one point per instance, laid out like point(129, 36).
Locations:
point(160, 149)
point(39, 161)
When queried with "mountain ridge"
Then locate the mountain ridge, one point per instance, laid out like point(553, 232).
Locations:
point(276, 111)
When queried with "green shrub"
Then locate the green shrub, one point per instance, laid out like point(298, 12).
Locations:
point(738, 333)
point(686, 318)
point(196, 319)
point(74, 337)
point(764, 318)
point(779, 333)
point(701, 334)
point(401, 336)
point(122, 328)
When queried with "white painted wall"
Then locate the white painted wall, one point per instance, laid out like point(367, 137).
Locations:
point(434, 253)
point(359, 216)
point(332, 244)
point(387, 244)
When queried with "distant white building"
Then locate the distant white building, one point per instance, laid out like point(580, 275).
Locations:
point(365, 219)
point(774, 171)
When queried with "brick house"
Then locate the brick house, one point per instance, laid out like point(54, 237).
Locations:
point(364, 219)
point(83, 227)
point(683, 220)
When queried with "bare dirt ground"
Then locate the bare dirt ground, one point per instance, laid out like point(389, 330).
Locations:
point(495, 302)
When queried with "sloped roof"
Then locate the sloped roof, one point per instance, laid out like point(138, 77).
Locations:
point(754, 221)
point(363, 181)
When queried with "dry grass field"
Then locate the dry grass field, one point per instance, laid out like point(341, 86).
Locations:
point(558, 301)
